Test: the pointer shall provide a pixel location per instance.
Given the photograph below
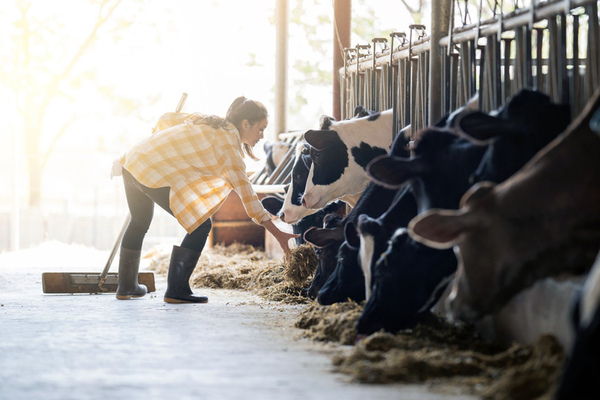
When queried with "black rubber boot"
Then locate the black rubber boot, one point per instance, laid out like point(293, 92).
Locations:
point(129, 264)
point(183, 262)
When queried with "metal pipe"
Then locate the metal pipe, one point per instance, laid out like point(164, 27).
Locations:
point(518, 18)
point(440, 22)
point(341, 39)
point(281, 22)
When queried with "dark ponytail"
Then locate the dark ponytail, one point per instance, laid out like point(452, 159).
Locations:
point(241, 109)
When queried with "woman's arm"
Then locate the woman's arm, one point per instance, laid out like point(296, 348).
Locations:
point(281, 236)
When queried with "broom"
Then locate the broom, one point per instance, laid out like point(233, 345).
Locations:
point(105, 282)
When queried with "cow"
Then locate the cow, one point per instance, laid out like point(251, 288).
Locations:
point(293, 210)
point(350, 278)
point(374, 202)
point(326, 242)
point(339, 156)
point(275, 153)
point(405, 285)
point(372, 234)
point(544, 220)
point(579, 378)
point(273, 205)
point(440, 172)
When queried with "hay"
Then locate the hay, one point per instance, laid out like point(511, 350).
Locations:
point(335, 323)
point(245, 267)
point(443, 354)
point(436, 352)
point(300, 264)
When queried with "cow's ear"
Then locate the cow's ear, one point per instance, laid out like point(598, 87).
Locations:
point(325, 122)
point(320, 139)
point(476, 192)
point(439, 229)
point(267, 146)
point(272, 204)
point(481, 128)
point(392, 172)
point(351, 235)
point(323, 237)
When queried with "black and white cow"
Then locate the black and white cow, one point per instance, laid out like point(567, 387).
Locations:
point(582, 369)
point(339, 156)
point(293, 210)
point(275, 153)
point(441, 171)
point(351, 278)
point(408, 279)
point(542, 221)
point(343, 271)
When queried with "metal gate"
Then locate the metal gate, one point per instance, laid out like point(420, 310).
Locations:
point(492, 50)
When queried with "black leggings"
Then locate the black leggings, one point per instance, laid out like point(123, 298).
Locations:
point(140, 200)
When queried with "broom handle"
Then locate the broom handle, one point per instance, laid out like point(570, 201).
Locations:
point(113, 252)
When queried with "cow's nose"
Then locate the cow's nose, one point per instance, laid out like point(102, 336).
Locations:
point(283, 217)
point(303, 201)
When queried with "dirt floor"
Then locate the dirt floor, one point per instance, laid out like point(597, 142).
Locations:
point(239, 345)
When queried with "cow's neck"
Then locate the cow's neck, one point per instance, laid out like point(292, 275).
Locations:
point(351, 199)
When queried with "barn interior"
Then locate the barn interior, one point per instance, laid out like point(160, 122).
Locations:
point(266, 335)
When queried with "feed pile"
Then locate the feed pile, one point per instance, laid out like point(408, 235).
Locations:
point(245, 267)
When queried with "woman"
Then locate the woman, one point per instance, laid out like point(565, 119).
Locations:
point(189, 167)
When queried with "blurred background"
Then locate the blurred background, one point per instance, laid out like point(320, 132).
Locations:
point(81, 81)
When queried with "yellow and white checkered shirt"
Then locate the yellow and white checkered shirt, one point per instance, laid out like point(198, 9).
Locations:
point(199, 163)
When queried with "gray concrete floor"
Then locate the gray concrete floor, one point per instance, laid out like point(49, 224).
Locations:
point(237, 346)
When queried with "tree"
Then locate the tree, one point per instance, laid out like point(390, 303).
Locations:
point(313, 30)
point(42, 67)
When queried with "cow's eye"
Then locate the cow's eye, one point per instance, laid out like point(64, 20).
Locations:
point(316, 155)
point(298, 176)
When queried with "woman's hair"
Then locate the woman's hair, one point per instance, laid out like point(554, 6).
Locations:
point(241, 109)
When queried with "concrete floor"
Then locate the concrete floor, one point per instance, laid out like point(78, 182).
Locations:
point(96, 347)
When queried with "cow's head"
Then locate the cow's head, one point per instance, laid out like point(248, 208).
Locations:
point(438, 172)
point(346, 281)
point(335, 171)
point(326, 241)
point(485, 258)
point(292, 210)
point(408, 279)
point(515, 134)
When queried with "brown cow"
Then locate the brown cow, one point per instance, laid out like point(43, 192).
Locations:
point(543, 221)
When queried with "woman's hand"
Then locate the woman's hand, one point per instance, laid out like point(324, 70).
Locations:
point(281, 236)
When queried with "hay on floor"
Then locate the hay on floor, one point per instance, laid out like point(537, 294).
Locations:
point(245, 267)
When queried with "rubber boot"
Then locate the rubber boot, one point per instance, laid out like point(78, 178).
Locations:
point(129, 264)
point(183, 262)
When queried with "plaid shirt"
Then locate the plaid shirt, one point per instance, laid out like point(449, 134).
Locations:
point(199, 163)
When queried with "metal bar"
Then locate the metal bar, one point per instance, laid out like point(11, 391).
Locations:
point(562, 60)
point(539, 41)
point(391, 90)
point(452, 104)
point(440, 15)
point(507, 65)
point(575, 84)
point(417, 47)
point(518, 18)
point(374, 86)
point(593, 45)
